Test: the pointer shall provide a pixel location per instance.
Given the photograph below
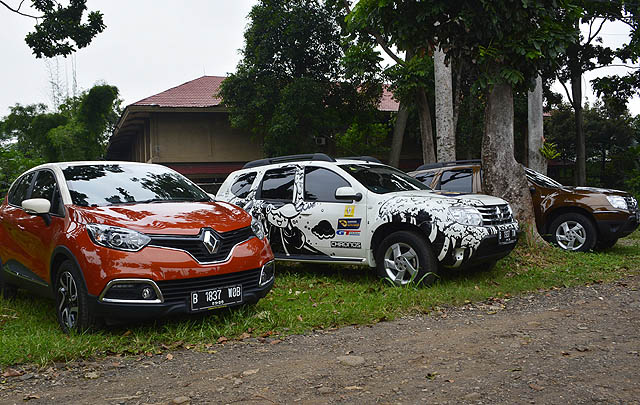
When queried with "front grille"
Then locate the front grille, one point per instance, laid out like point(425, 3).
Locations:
point(195, 246)
point(495, 214)
point(632, 204)
point(178, 290)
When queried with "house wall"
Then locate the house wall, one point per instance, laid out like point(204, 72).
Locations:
point(195, 138)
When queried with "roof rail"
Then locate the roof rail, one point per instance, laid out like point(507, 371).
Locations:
point(364, 158)
point(289, 158)
point(446, 164)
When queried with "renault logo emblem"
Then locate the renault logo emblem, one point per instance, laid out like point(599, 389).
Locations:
point(210, 242)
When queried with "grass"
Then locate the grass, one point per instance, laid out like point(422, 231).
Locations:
point(305, 298)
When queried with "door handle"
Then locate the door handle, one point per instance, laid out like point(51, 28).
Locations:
point(306, 214)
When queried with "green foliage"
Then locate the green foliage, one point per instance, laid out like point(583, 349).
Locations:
point(12, 163)
point(549, 150)
point(609, 138)
point(290, 85)
point(79, 130)
point(57, 26)
point(505, 41)
point(361, 140)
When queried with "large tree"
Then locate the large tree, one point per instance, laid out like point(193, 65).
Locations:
point(506, 42)
point(78, 130)
point(587, 52)
point(59, 30)
point(290, 86)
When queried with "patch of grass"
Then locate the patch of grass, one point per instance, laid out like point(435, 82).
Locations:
point(308, 297)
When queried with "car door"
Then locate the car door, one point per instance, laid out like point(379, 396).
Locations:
point(33, 235)
point(274, 205)
point(335, 227)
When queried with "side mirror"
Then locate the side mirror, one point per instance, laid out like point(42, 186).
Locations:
point(36, 206)
point(347, 193)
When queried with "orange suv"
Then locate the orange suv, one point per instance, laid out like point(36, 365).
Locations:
point(127, 240)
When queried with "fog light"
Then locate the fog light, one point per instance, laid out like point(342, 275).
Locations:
point(147, 293)
point(267, 273)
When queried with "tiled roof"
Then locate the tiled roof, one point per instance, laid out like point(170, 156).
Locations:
point(387, 102)
point(203, 91)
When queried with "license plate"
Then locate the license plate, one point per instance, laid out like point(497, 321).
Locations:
point(216, 297)
point(507, 236)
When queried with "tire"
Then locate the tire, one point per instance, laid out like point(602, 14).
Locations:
point(72, 299)
point(605, 244)
point(7, 291)
point(405, 257)
point(574, 232)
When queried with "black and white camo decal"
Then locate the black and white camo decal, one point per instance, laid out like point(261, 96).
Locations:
point(442, 230)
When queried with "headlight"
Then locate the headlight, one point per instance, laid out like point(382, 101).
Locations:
point(257, 228)
point(617, 201)
point(466, 215)
point(117, 238)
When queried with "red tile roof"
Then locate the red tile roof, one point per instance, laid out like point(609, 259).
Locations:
point(387, 102)
point(203, 91)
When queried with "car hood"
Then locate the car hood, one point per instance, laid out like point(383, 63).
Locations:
point(167, 218)
point(592, 190)
point(453, 197)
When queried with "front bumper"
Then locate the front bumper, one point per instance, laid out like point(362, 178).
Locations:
point(176, 295)
point(488, 249)
point(616, 229)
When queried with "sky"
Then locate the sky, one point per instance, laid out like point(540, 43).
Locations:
point(150, 46)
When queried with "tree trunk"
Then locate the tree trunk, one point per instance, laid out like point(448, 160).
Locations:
point(535, 135)
point(581, 155)
point(398, 135)
point(502, 175)
point(457, 97)
point(399, 128)
point(445, 135)
point(426, 131)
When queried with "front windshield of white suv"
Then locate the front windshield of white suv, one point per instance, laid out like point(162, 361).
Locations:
point(383, 179)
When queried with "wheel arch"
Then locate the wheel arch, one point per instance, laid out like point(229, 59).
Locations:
point(388, 228)
point(552, 215)
point(59, 255)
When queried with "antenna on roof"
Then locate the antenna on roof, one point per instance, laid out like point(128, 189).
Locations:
point(204, 72)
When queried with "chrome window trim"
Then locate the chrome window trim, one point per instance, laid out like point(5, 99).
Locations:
point(111, 283)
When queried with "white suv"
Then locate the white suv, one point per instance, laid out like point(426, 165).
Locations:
point(358, 211)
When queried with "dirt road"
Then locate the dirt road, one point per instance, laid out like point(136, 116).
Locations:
point(578, 345)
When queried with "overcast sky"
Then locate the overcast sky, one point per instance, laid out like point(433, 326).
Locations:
point(147, 47)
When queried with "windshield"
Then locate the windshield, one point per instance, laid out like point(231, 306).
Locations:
point(383, 179)
point(541, 180)
point(112, 184)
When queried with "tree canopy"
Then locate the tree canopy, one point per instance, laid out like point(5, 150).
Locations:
point(59, 30)
point(290, 86)
point(78, 130)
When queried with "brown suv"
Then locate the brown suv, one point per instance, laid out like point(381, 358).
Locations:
point(574, 218)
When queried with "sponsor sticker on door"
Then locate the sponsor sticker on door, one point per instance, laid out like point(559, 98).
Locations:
point(349, 223)
point(345, 245)
point(347, 232)
point(349, 210)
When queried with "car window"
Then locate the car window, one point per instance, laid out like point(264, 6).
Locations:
point(277, 184)
point(320, 184)
point(383, 179)
point(457, 180)
point(18, 192)
point(425, 178)
point(115, 184)
point(46, 187)
point(242, 185)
